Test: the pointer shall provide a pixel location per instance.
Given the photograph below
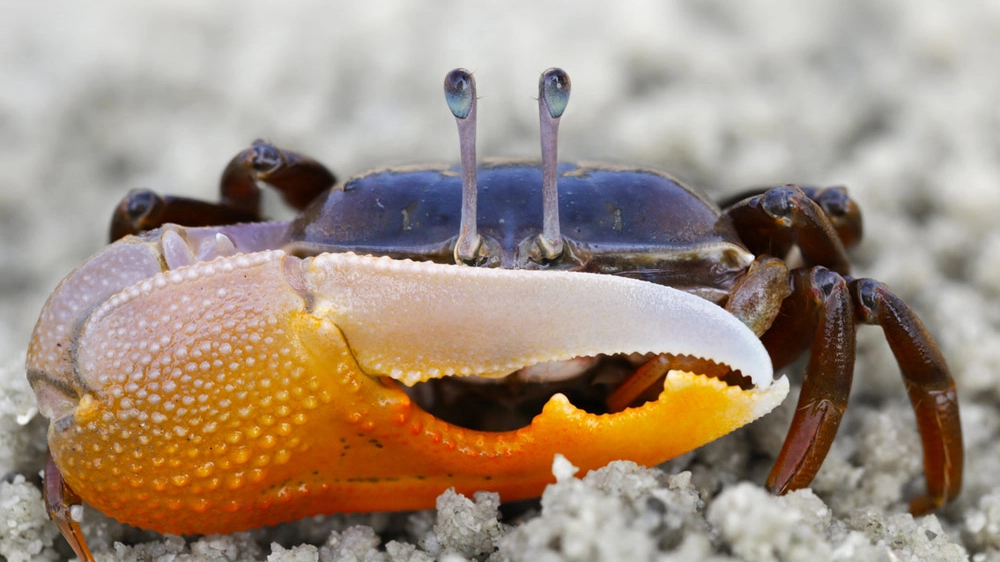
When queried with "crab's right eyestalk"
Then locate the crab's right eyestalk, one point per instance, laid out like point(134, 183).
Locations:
point(553, 97)
point(460, 93)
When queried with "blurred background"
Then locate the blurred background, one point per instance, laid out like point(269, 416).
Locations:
point(895, 98)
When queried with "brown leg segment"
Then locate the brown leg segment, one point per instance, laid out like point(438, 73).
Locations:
point(843, 212)
point(144, 209)
point(929, 384)
point(822, 315)
point(756, 298)
point(782, 217)
point(299, 179)
point(59, 499)
point(838, 206)
point(820, 305)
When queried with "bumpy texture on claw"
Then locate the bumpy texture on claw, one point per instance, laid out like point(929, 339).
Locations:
point(246, 387)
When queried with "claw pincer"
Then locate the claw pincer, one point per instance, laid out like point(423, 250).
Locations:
point(259, 387)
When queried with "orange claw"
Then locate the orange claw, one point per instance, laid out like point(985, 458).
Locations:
point(255, 389)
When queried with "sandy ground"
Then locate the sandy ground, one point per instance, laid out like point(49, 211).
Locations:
point(896, 99)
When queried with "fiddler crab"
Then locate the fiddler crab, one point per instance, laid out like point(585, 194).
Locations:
point(424, 328)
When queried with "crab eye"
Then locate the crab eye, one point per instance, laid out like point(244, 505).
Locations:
point(553, 97)
point(777, 202)
point(459, 92)
point(834, 201)
point(554, 86)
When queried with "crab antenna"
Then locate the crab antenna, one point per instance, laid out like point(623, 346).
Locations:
point(460, 93)
point(553, 96)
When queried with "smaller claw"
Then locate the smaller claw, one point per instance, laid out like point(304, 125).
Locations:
point(643, 381)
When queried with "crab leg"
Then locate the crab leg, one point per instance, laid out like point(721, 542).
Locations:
point(827, 382)
point(772, 222)
point(142, 210)
point(929, 384)
point(60, 501)
point(756, 298)
point(298, 178)
point(838, 206)
point(822, 222)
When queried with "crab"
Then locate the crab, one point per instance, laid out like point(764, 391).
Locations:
point(424, 328)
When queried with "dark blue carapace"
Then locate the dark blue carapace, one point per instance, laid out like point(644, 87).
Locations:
point(628, 221)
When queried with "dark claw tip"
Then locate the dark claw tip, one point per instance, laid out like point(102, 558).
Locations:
point(141, 203)
point(835, 201)
point(460, 92)
point(777, 202)
point(553, 88)
point(265, 157)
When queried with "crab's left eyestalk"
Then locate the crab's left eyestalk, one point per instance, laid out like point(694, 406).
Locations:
point(460, 93)
point(553, 96)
